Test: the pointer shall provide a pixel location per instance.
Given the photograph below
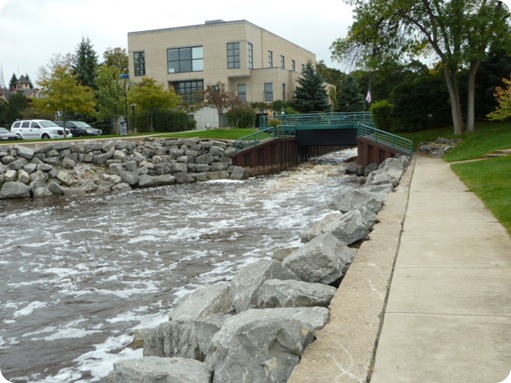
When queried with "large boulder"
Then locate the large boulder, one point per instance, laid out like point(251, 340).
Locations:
point(348, 227)
point(172, 339)
point(322, 260)
point(202, 303)
point(15, 190)
point(291, 293)
point(263, 345)
point(159, 370)
point(245, 284)
point(371, 196)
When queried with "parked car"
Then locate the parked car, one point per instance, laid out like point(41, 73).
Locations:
point(6, 135)
point(80, 128)
point(38, 130)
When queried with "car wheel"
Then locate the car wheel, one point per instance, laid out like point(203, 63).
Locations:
point(45, 137)
point(19, 136)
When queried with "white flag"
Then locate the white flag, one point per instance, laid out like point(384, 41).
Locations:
point(368, 97)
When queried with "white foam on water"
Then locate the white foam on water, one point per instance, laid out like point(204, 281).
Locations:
point(29, 309)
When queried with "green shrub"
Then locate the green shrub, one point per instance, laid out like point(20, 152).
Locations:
point(242, 116)
point(172, 121)
point(383, 115)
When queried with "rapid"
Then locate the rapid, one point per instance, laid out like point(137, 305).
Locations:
point(78, 276)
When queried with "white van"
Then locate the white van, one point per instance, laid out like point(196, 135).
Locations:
point(38, 130)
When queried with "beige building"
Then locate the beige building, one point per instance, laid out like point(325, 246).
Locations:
point(254, 63)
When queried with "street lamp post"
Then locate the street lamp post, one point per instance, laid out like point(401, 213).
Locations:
point(126, 77)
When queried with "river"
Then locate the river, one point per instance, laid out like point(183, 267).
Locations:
point(79, 275)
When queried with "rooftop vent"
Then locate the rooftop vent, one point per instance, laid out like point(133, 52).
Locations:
point(214, 21)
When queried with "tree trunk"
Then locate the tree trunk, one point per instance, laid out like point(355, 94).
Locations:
point(474, 66)
point(454, 96)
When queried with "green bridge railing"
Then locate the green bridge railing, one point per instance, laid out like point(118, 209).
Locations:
point(313, 119)
point(264, 135)
point(381, 136)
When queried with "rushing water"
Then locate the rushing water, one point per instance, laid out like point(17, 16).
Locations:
point(78, 276)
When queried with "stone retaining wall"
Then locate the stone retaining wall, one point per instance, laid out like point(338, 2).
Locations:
point(255, 328)
point(97, 166)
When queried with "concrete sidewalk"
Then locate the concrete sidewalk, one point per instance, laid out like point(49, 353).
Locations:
point(428, 297)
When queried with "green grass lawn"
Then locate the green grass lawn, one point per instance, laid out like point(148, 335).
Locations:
point(489, 179)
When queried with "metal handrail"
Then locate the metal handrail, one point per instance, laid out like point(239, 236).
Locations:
point(381, 136)
point(263, 135)
point(316, 118)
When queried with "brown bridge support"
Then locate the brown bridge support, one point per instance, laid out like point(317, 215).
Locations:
point(371, 152)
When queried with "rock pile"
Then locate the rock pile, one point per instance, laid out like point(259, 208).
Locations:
point(255, 328)
point(438, 147)
point(60, 168)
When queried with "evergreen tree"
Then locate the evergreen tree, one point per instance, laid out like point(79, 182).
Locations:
point(350, 98)
point(12, 83)
point(85, 64)
point(311, 95)
point(29, 81)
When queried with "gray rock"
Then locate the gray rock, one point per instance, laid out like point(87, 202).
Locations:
point(170, 339)
point(164, 179)
point(322, 260)
point(30, 167)
point(18, 163)
point(56, 189)
point(23, 177)
point(290, 293)
point(207, 301)
point(373, 196)
point(183, 178)
point(25, 151)
point(10, 175)
point(246, 283)
point(121, 187)
point(65, 178)
point(146, 181)
point(263, 345)
point(160, 370)
point(348, 227)
point(14, 190)
point(205, 159)
point(130, 178)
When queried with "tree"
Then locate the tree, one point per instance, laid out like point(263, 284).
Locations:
point(216, 96)
point(310, 94)
point(15, 107)
point(85, 63)
point(110, 93)
point(62, 93)
point(13, 81)
point(116, 58)
point(350, 98)
point(457, 32)
point(503, 96)
point(151, 98)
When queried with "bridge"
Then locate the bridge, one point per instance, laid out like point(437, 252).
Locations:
point(298, 137)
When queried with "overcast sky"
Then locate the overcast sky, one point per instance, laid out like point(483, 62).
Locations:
point(33, 31)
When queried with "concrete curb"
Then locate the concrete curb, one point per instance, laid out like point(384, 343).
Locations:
point(345, 347)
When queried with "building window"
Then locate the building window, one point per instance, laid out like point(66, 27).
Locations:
point(284, 92)
point(233, 55)
point(303, 67)
point(242, 92)
point(250, 56)
point(270, 59)
point(293, 65)
point(191, 91)
point(185, 60)
point(139, 63)
point(282, 62)
point(268, 92)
